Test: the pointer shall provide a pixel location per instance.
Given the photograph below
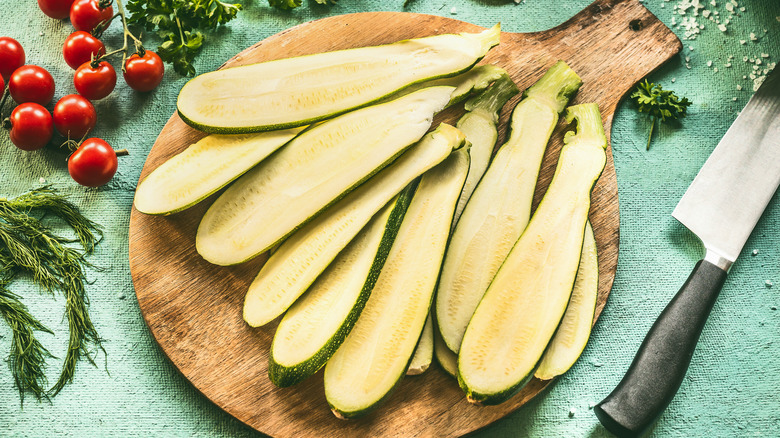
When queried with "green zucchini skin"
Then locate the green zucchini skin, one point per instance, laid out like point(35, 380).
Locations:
point(578, 319)
point(312, 172)
point(437, 193)
point(339, 99)
point(204, 168)
point(280, 281)
point(284, 376)
point(512, 294)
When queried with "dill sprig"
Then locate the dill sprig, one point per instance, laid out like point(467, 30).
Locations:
point(28, 356)
point(29, 247)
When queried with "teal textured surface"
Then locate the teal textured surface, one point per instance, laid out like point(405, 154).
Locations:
point(732, 385)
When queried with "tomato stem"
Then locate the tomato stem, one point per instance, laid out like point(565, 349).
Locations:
point(126, 34)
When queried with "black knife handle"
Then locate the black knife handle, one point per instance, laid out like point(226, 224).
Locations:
point(663, 358)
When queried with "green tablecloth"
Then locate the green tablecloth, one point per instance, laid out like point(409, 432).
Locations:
point(732, 386)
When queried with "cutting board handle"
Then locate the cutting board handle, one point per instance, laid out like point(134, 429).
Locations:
point(660, 365)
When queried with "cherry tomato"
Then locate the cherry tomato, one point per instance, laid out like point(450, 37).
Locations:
point(31, 126)
point(86, 14)
point(11, 56)
point(2, 86)
point(80, 47)
point(74, 116)
point(58, 9)
point(30, 83)
point(93, 164)
point(144, 73)
point(95, 83)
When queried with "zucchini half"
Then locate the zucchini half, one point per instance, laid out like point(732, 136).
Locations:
point(479, 126)
point(299, 91)
point(377, 352)
point(523, 306)
point(203, 168)
point(317, 324)
point(294, 266)
point(314, 170)
point(447, 359)
point(499, 210)
point(573, 333)
point(423, 352)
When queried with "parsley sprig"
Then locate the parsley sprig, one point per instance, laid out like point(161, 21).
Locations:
point(180, 23)
point(660, 104)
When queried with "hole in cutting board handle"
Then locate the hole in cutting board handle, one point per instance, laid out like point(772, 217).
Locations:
point(636, 25)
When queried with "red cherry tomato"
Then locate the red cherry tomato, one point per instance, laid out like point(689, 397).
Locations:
point(57, 9)
point(74, 116)
point(80, 47)
point(31, 126)
point(86, 14)
point(11, 56)
point(2, 86)
point(93, 164)
point(144, 73)
point(95, 83)
point(30, 83)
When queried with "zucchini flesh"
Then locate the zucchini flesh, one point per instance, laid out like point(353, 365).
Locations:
point(205, 167)
point(479, 126)
point(499, 210)
point(423, 353)
point(314, 170)
point(573, 333)
point(302, 90)
point(317, 324)
point(294, 266)
point(473, 81)
point(377, 352)
point(447, 359)
point(523, 306)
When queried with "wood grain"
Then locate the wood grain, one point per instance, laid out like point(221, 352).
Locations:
point(193, 308)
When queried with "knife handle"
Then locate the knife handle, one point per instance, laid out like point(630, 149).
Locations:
point(660, 364)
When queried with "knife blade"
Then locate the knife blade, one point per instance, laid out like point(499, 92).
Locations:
point(721, 207)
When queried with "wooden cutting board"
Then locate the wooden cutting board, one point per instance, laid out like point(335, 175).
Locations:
point(193, 308)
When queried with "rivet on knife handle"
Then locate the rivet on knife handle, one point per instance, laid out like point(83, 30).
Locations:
point(660, 364)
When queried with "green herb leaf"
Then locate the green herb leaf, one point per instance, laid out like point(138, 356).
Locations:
point(285, 4)
point(659, 104)
point(180, 23)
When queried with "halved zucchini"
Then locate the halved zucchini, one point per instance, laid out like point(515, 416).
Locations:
point(479, 126)
point(302, 90)
point(294, 266)
point(573, 333)
point(498, 211)
point(446, 357)
point(316, 325)
point(203, 168)
point(471, 82)
point(523, 306)
point(423, 353)
point(313, 171)
point(376, 354)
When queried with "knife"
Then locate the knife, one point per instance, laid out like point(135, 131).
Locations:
point(721, 207)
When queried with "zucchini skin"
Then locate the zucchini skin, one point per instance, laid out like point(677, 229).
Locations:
point(284, 376)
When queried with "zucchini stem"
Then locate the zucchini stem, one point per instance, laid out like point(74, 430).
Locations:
point(556, 87)
point(589, 125)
